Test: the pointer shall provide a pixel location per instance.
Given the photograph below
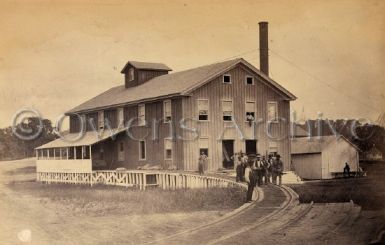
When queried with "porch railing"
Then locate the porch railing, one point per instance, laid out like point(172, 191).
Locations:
point(140, 179)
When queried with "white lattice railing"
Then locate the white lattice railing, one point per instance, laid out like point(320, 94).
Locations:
point(139, 179)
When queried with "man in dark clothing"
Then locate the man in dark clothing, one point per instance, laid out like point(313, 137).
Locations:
point(277, 170)
point(258, 170)
point(266, 167)
point(250, 180)
point(347, 170)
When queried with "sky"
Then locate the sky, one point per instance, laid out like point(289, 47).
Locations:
point(55, 55)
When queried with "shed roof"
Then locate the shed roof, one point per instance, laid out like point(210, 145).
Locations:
point(146, 66)
point(315, 144)
point(174, 84)
point(73, 139)
point(299, 131)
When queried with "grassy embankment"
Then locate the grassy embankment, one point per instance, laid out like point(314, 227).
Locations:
point(101, 200)
point(368, 192)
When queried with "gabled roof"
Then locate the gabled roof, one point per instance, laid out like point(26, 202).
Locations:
point(170, 85)
point(146, 66)
point(315, 144)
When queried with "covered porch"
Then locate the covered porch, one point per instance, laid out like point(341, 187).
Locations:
point(74, 154)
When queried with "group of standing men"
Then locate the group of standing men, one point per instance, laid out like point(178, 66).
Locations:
point(258, 171)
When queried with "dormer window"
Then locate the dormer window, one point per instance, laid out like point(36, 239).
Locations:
point(226, 79)
point(131, 74)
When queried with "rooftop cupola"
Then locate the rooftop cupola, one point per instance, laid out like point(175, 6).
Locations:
point(136, 73)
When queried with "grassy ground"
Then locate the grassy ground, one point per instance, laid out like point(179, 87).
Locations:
point(102, 200)
point(368, 192)
point(75, 214)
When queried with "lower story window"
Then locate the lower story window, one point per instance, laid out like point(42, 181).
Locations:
point(142, 150)
point(167, 149)
point(204, 146)
point(204, 151)
point(101, 154)
point(121, 152)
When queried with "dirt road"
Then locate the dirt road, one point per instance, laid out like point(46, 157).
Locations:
point(27, 218)
point(277, 219)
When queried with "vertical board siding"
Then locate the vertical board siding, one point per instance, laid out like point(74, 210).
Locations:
point(336, 155)
point(186, 144)
point(111, 115)
point(308, 166)
point(74, 121)
point(145, 75)
point(94, 117)
point(239, 92)
point(153, 134)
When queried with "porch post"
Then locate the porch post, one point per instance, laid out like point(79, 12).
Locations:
point(74, 152)
point(91, 175)
point(61, 155)
point(48, 153)
point(54, 153)
point(67, 152)
point(37, 154)
point(82, 152)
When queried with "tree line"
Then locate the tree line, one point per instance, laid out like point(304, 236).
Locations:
point(14, 147)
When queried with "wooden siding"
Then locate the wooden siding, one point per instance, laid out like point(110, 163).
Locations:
point(75, 124)
point(145, 75)
point(112, 117)
point(336, 155)
point(153, 134)
point(186, 143)
point(91, 117)
point(64, 166)
point(239, 92)
point(308, 166)
point(141, 76)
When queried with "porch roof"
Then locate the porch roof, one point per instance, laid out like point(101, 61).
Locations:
point(76, 139)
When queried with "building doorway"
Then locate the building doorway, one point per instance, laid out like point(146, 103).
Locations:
point(228, 152)
point(251, 147)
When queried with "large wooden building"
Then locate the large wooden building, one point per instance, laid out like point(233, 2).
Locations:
point(167, 119)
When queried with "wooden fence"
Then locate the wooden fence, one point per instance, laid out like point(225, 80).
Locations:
point(140, 179)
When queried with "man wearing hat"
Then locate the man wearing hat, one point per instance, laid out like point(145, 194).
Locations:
point(277, 169)
point(258, 168)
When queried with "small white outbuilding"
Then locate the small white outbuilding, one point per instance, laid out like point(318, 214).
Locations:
point(323, 157)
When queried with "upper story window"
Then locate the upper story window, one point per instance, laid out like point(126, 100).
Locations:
point(250, 111)
point(226, 79)
point(227, 109)
point(120, 116)
point(272, 111)
point(249, 80)
point(131, 74)
point(167, 110)
point(203, 109)
point(141, 114)
point(101, 120)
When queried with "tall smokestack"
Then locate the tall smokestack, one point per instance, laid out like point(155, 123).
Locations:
point(264, 47)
